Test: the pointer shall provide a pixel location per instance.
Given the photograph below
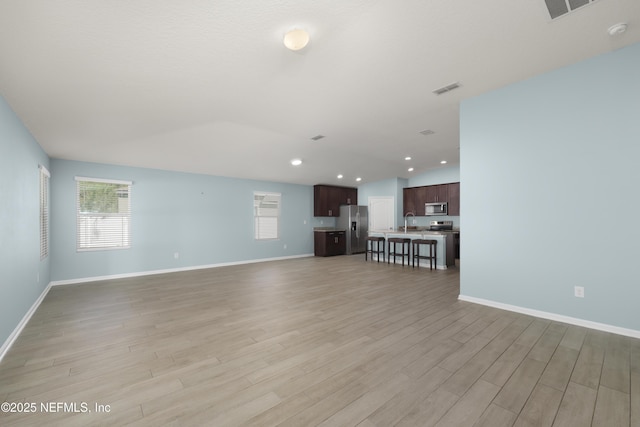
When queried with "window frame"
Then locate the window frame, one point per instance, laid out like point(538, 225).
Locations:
point(126, 240)
point(44, 183)
point(256, 216)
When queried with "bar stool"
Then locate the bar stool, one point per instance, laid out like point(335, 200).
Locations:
point(403, 241)
point(369, 249)
point(432, 252)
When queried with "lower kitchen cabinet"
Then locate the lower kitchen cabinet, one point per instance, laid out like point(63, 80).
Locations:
point(329, 243)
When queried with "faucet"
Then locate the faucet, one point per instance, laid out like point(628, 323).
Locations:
point(405, 220)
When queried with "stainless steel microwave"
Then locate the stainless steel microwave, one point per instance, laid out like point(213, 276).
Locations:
point(435, 208)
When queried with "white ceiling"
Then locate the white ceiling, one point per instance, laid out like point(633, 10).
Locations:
point(207, 86)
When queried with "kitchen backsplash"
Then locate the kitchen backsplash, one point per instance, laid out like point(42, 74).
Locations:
point(423, 221)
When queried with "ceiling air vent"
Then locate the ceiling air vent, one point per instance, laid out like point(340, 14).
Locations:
point(427, 132)
point(558, 8)
point(317, 137)
point(447, 88)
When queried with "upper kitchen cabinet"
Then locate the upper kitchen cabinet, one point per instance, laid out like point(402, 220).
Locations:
point(328, 198)
point(409, 201)
point(454, 199)
point(416, 197)
point(436, 193)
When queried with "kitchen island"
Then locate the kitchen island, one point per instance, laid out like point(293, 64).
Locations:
point(445, 249)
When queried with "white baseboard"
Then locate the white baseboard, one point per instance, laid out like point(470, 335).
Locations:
point(16, 332)
point(170, 270)
point(553, 316)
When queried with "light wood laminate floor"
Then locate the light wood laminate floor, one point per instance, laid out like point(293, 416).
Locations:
point(312, 341)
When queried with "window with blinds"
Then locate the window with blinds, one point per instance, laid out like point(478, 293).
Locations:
point(103, 214)
point(266, 213)
point(44, 212)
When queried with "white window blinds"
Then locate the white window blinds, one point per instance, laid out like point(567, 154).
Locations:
point(44, 212)
point(103, 214)
point(266, 213)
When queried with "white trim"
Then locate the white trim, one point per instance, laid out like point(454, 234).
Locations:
point(16, 332)
point(45, 171)
point(553, 316)
point(170, 270)
point(107, 181)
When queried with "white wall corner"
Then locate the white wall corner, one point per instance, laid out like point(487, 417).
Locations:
point(16, 332)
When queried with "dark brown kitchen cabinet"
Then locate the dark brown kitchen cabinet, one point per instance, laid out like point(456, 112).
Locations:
point(454, 199)
point(416, 197)
point(327, 199)
point(329, 243)
point(409, 201)
point(350, 196)
point(436, 193)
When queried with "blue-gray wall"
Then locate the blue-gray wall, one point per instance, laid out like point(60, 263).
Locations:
point(386, 188)
point(206, 219)
point(443, 175)
point(23, 276)
point(549, 197)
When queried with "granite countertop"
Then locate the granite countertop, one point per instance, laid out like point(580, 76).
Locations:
point(414, 232)
point(328, 229)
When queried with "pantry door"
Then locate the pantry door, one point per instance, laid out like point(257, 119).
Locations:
point(381, 213)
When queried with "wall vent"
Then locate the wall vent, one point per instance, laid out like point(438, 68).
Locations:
point(447, 88)
point(427, 132)
point(317, 137)
point(558, 8)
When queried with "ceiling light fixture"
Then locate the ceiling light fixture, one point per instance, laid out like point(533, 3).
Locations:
point(616, 29)
point(296, 39)
point(340, 176)
point(296, 162)
point(358, 179)
point(443, 162)
point(410, 169)
point(407, 158)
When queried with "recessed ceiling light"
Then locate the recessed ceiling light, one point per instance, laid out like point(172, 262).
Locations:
point(408, 158)
point(296, 39)
point(410, 169)
point(358, 179)
point(340, 176)
point(443, 162)
point(296, 162)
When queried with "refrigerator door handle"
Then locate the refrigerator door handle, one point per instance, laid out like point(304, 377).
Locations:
point(358, 225)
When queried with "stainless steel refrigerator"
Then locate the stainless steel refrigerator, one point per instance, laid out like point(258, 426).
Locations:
point(355, 220)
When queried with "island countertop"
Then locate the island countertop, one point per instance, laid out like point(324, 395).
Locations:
point(445, 250)
point(414, 233)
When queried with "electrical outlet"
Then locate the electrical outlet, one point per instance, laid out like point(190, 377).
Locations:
point(176, 255)
point(578, 291)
